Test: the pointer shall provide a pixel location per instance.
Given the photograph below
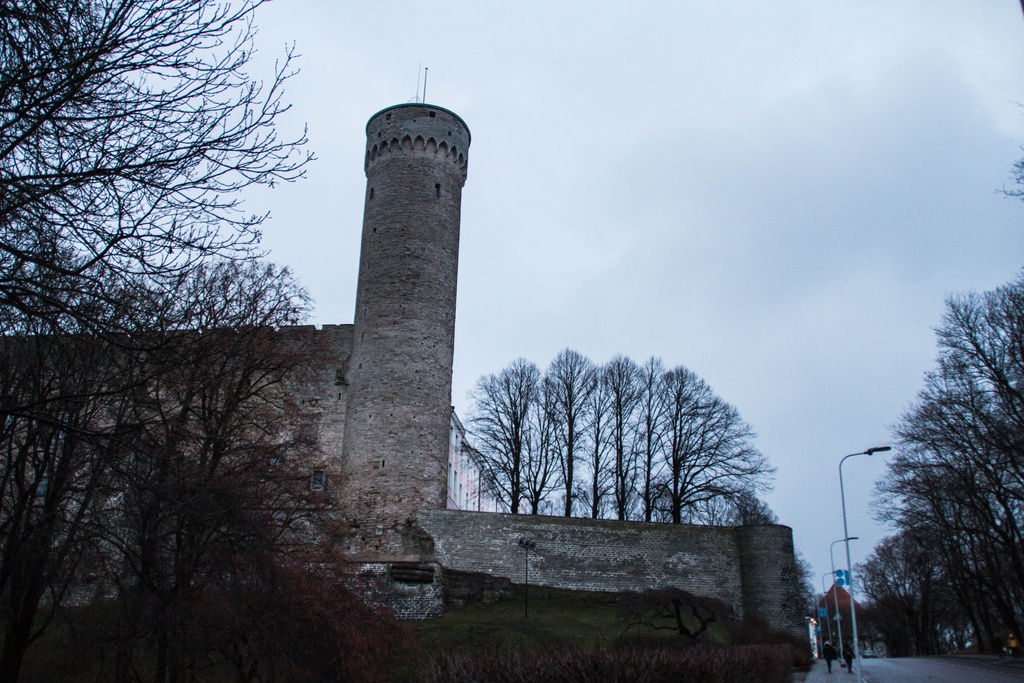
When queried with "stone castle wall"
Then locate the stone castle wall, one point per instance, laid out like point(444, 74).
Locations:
point(771, 580)
point(744, 567)
point(321, 392)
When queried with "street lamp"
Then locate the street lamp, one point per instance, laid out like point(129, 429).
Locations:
point(824, 594)
point(527, 545)
point(849, 565)
point(835, 594)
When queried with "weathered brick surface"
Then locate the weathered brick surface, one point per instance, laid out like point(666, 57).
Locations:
point(742, 566)
point(396, 438)
point(770, 584)
point(591, 555)
point(321, 394)
point(376, 583)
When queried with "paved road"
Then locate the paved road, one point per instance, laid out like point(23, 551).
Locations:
point(935, 670)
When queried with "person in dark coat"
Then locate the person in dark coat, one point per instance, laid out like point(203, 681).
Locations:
point(829, 653)
point(848, 656)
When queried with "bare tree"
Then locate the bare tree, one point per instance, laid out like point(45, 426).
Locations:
point(572, 378)
point(209, 474)
point(910, 600)
point(709, 451)
point(540, 463)
point(60, 424)
point(621, 378)
point(598, 432)
point(744, 508)
point(500, 422)
point(959, 472)
point(752, 510)
point(80, 409)
point(128, 128)
point(649, 433)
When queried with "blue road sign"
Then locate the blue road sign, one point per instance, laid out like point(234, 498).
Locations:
point(842, 577)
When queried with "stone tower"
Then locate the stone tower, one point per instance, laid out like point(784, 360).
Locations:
point(400, 371)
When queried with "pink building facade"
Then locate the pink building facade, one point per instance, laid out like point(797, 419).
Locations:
point(467, 482)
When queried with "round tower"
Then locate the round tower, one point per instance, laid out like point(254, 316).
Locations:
point(400, 371)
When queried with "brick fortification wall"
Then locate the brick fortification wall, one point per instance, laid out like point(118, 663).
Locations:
point(741, 566)
point(771, 581)
point(322, 394)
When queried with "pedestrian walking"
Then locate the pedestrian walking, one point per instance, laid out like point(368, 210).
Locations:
point(848, 656)
point(829, 653)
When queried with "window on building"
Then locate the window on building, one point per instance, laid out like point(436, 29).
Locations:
point(316, 482)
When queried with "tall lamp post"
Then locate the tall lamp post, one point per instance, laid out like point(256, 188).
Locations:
point(835, 594)
point(527, 545)
point(846, 538)
point(824, 599)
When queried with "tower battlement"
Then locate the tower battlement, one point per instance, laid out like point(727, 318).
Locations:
point(421, 128)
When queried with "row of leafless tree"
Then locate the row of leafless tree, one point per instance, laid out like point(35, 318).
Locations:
point(954, 571)
point(622, 441)
point(146, 438)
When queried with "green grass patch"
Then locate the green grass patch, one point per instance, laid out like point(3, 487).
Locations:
point(556, 618)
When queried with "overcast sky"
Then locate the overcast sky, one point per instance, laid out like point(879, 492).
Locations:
point(779, 196)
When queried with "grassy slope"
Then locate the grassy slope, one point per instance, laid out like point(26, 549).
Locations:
point(556, 617)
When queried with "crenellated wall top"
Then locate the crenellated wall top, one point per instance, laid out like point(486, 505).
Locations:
point(418, 128)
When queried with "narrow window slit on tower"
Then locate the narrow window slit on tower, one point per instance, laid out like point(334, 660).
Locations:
point(437, 189)
point(382, 464)
point(433, 114)
point(371, 197)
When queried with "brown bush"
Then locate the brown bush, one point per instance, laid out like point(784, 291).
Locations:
point(756, 632)
point(625, 664)
point(284, 621)
point(299, 624)
point(672, 609)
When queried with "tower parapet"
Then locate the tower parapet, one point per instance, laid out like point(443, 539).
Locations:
point(400, 371)
point(407, 128)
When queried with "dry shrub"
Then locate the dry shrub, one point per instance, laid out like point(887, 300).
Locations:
point(757, 632)
point(672, 609)
point(299, 624)
point(623, 664)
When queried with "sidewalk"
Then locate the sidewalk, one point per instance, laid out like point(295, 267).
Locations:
point(819, 673)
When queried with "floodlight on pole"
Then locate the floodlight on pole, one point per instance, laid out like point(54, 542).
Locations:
point(527, 544)
point(849, 564)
